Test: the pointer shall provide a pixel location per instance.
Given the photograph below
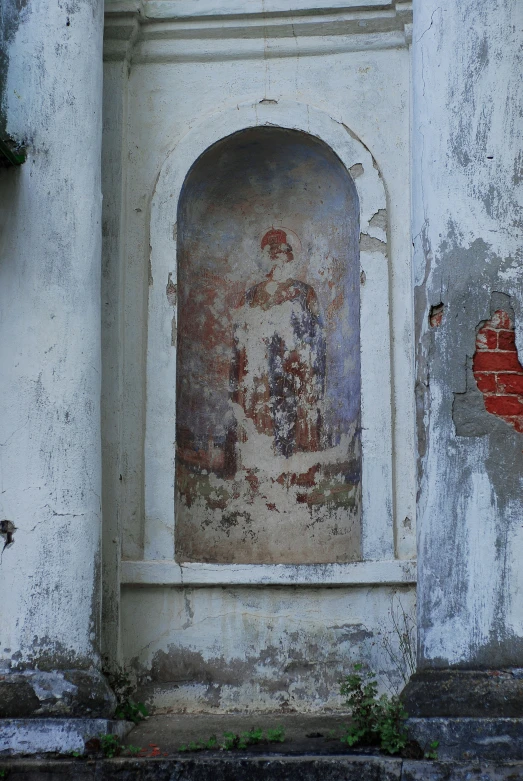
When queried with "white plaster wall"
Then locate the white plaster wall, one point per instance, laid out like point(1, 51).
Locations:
point(467, 218)
point(367, 91)
point(253, 649)
point(178, 83)
point(50, 339)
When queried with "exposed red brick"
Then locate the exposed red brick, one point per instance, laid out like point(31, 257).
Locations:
point(487, 339)
point(491, 361)
point(497, 370)
point(500, 319)
point(506, 383)
point(506, 340)
point(436, 315)
point(487, 382)
point(504, 405)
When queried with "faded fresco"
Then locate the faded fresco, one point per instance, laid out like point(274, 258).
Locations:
point(268, 465)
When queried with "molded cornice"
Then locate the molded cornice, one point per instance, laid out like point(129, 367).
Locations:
point(186, 30)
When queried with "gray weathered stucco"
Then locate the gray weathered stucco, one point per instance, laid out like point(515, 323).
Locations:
point(50, 250)
point(12, 13)
point(467, 247)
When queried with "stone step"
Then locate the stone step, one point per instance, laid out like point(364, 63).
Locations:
point(257, 768)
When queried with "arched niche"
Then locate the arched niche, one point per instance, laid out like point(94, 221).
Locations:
point(268, 457)
point(161, 514)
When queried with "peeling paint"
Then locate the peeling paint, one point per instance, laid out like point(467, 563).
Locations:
point(356, 170)
point(379, 220)
point(371, 244)
point(172, 297)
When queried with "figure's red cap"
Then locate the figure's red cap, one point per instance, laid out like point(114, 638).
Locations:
point(274, 236)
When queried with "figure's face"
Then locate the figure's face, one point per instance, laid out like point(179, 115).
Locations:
point(281, 252)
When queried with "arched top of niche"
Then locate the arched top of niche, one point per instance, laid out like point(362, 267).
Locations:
point(293, 116)
point(268, 373)
point(378, 541)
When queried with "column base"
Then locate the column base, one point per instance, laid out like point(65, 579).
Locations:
point(57, 736)
point(476, 694)
point(57, 693)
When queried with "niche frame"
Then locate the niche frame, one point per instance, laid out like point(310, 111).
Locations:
point(378, 543)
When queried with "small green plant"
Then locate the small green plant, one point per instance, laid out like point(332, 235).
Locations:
point(131, 711)
point(250, 738)
point(111, 746)
point(4, 772)
point(276, 735)
point(254, 736)
point(132, 750)
point(126, 708)
point(374, 720)
point(200, 745)
point(232, 741)
point(391, 726)
point(431, 751)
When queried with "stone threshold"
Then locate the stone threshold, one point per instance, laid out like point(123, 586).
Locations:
point(258, 768)
point(470, 749)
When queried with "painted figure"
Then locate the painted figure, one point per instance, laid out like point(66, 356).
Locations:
point(278, 368)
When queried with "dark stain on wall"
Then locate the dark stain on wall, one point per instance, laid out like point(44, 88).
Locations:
point(11, 14)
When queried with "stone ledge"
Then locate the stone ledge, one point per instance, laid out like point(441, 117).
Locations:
point(470, 738)
point(454, 693)
point(266, 768)
point(170, 573)
point(61, 736)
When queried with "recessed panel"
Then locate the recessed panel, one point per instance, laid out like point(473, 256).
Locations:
point(268, 456)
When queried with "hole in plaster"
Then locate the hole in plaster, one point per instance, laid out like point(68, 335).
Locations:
point(356, 170)
point(7, 530)
point(436, 315)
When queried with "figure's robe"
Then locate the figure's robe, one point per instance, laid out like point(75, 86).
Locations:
point(278, 368)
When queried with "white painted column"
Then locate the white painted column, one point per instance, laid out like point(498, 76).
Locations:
point(50, 366)
point(467, 175)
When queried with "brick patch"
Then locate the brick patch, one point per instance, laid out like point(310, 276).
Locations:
point(497, 370)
